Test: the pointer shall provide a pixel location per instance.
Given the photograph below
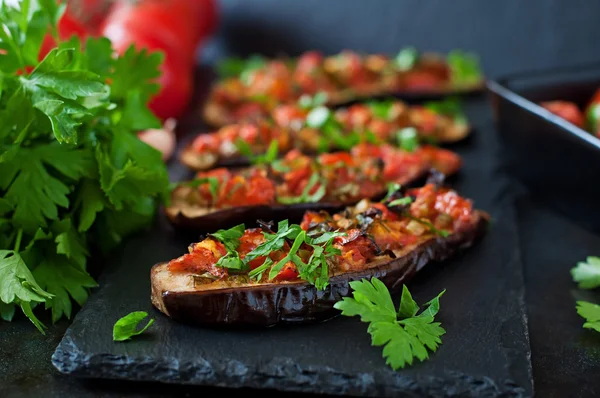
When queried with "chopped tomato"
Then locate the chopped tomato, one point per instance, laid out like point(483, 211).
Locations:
point(311, 217)
point(289, 272)
point(567, 110)
point(239, 191)
point(202, 258)
point(206, 143)
point(327, 159)
point(284, 115)
point(422, 80)
point(445, 161)
point(425, 120)
point(250, 241)
point(357, 249)
point(250, 111)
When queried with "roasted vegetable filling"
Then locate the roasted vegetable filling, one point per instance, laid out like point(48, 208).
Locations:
point(313, 128)
point(364, 172)
point(324, 244)
point(262, 84)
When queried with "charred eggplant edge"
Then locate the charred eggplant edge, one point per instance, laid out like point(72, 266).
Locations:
point(299, 302)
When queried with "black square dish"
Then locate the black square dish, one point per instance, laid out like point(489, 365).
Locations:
point(557, 161)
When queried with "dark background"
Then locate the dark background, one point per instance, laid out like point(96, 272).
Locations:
point(509, 36)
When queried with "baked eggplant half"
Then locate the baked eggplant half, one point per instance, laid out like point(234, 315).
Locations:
point(295, 273)
point(312, 127)
point(254, 87)
point(286, 187)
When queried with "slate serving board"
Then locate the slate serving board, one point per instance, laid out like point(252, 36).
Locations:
point(484, 353)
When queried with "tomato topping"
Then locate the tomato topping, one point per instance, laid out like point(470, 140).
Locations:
point(357, 249)
point(445, 161)
point(206, 143)
point(422, 80)
point(241, 191)
point(248, 242)
point(285, 115)
point(289, 272)
point(566, 110)
point(202, 258)
point(327, 159)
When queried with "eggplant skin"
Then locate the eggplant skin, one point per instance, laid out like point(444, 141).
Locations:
point(297, 302)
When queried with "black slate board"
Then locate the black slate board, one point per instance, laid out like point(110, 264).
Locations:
point(484, 353)
point(566, 357)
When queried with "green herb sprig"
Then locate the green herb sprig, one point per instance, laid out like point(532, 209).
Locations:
point(127, 327)
point(73, 175)
point(404, 335)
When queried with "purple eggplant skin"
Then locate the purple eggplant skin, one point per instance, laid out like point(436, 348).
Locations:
point(298, 302)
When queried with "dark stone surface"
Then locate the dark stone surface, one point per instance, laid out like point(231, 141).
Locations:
point(566, 357)
point(485, 351)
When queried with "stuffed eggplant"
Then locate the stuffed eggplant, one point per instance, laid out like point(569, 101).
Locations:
point(296, 272)
point(254, 87)
point(298, 182)
point(314, 128)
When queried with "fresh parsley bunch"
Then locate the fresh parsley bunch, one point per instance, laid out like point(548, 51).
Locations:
point(74, 178)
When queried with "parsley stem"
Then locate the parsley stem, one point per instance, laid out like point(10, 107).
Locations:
point(18, 241)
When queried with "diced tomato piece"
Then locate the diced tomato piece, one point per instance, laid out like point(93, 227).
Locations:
point(221, 173)
point(206, 143)
point(567, 110)
point(289, 272)
point(445, 161)
point(284, 115)
point(202, 258)
point(425, 120)
point(311, 217)
point(367, 150)
point(250, 111)
point(422, 80)
point(335, 158)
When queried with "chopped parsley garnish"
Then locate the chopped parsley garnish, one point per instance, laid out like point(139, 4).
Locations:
point(591, 313)
point(381, 109)
point(306, 196)
point(127, 327)
point(213, 185)
point(408, 139)
point(587, 273)
point(266, 158)
point(404, 334)
point(392, 188)
point(464, 68)
point(230, 237)
point(315, 270)
point(406, 59)
point(322, 118)
point(401, 202)
point(317, 117)
point(236, 66)
point(450, 107)
point(308, 102)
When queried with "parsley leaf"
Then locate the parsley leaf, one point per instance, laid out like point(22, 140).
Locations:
point(400, 202)
point(307, 102)
point(381, 109)
point(305, 196)
point(268, 157)
point(235, 66)
point(404, 334)
point(591, 313)
point(231, 260)
point(392, 188)
point(230, 237)
point(406, 58)
point(587, 273)
point(64, 281)
point(16, 281)
point(450, 107)
point(126, 327)
point(408, 139)
point(464, 68)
